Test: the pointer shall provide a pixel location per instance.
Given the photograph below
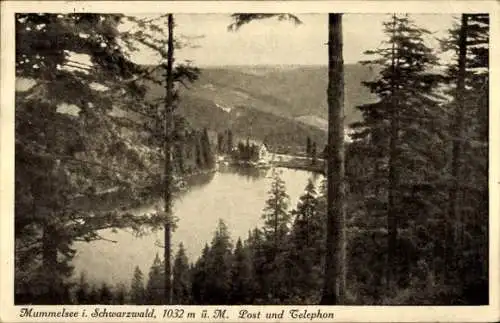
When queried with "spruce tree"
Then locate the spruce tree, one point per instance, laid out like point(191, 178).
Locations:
point(219, 266)
point(82, 292)
point(105, 294)
point(137, 291)
point(307, 240)
point(120, 294)
point(399, 124)
point(155, 288)
point(168, 169)
point(256, 246)
point(241, 276)
point(200, 277)
point(467, 82)
point(474, 231)
point(93, 296)
point(306, 216)
point(164, 117)
point(276, 227)
point(275, 214)
point(181, 278)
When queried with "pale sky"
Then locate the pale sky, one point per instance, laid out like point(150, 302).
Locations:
point(273, 42)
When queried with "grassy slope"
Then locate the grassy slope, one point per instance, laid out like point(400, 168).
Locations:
point(291, 91)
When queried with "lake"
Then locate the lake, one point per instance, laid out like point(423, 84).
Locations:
point(236, 196)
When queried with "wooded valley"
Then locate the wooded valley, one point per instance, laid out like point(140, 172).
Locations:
point(400, 218)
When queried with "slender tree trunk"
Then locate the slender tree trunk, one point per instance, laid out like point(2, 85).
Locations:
point(168, 158)
point(335, 262)
point(454, 217)
point(392, 212)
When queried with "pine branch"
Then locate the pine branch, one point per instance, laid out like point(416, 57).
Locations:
point(43, 153)
point(241, 19)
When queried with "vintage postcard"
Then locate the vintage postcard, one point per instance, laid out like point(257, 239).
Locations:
point(217, 161)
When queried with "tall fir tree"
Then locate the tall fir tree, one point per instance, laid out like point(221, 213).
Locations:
point(219, 266)
point(181, 278)
point(200, 277)
point(256, 247)
point(165, 119)
point(93, 296)
point(105, 294)
point(276, 228)
point(400, 124)
point(137, 291)
point(307, 241)
point(467, 82)
point(275, 214)
point(82, 291)
point(121, 294)
point(241, 276)
point(335, 262)
point(155, 288)
point(168, 169)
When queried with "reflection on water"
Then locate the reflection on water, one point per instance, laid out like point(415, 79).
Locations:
point(236, 195)
point(199, 179)
point(247, 172)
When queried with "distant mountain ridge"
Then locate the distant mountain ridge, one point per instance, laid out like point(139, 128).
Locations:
point(266, 101)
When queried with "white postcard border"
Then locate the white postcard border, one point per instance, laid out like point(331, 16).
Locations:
point(10, 313)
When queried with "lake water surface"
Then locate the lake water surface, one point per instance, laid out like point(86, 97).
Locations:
point(237, 197)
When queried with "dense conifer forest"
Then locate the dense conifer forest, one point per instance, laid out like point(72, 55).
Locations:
point(401, 216)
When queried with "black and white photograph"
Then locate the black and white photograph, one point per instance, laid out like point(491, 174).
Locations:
point(232, 158)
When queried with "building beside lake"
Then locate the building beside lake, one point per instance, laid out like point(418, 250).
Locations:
point(251, 151)
point(264, 154)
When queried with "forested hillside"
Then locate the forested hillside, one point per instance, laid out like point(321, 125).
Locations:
point(401, 218)
point(279, 105)
point(290, 91)
point(245, 121)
